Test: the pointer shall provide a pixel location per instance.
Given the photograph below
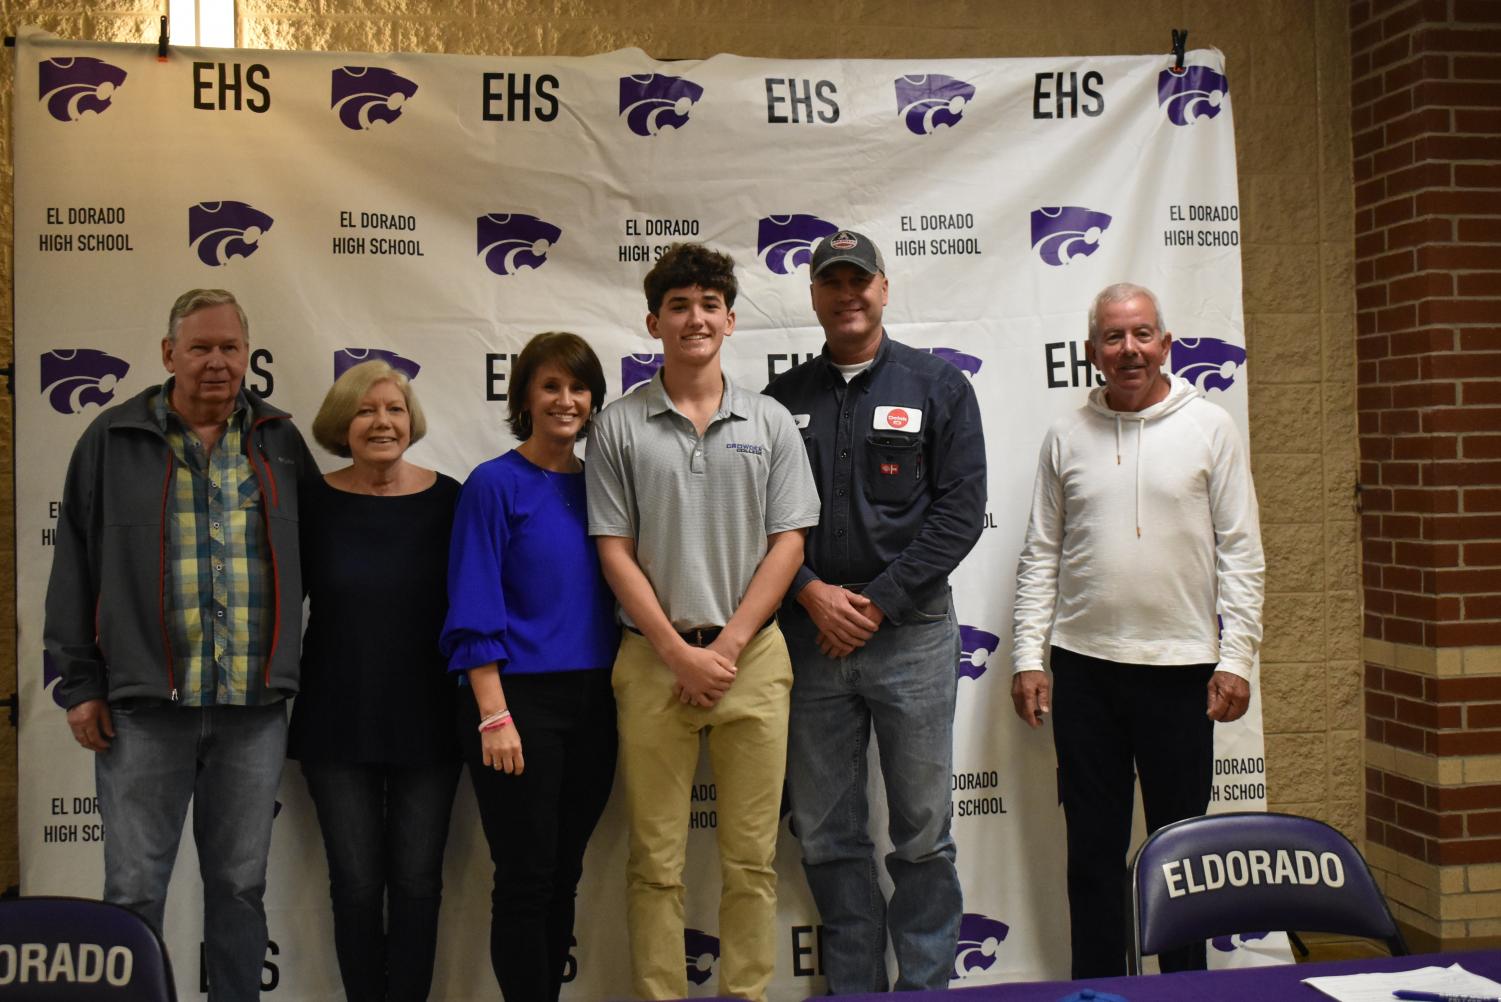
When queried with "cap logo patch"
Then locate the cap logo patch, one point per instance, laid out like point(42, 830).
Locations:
point(843, 241)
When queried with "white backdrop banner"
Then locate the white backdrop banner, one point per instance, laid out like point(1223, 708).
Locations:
point(439, 210)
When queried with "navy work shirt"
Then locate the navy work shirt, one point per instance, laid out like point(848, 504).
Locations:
point(899, 458)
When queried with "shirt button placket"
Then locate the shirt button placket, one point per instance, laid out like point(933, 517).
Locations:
point(842, 483)
point(219, 586)
point(696, 460)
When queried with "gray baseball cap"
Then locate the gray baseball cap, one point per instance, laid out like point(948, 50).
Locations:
point(847, 247)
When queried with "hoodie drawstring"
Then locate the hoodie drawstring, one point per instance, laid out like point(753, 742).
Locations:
point(1180, 393)
point(1141, 430)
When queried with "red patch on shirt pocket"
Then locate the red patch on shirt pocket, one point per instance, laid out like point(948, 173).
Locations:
point(891, 469)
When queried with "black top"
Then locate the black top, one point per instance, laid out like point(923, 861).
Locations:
point(375, 689)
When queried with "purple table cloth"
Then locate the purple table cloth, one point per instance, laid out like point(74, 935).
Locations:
point(1256, 984)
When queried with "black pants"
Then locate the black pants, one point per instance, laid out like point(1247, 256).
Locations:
point(384, 828)
point(538, 823)
point(1108, 717)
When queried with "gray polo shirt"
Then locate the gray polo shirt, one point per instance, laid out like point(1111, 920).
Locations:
point(699, 509)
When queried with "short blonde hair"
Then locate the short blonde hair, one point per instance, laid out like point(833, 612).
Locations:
point(331, 426)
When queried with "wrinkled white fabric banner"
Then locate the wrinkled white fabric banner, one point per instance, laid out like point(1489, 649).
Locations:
point(439, 210)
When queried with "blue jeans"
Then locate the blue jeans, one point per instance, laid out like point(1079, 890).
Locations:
point(384, 829)
point(902, 683)
point(227, 760)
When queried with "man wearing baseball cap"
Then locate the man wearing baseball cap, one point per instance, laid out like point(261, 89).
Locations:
point(893, 435)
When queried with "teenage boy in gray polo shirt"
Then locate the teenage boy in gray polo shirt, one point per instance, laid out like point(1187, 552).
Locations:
point(699, 495)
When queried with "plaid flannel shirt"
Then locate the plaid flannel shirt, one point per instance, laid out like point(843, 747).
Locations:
point(218, 589)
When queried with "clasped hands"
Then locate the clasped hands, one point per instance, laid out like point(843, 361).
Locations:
point(702, 675)
point(845, 620)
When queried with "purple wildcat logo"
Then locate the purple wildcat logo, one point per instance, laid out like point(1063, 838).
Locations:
point(73, 87)
point(218, 231)
point(785, 243)
point(511, 241)
point(967, 364)
point(1227, 944)
point(1207, 362)
point(347, 358)
point(365, 95)
point(637, 369)
point(655, 101)
point(980, 938)
point(1063, 233)
point(976, 649)
point(701, 953)
point(928, 103)
point(1196, 93)
point(75, 379)
point(51, 674)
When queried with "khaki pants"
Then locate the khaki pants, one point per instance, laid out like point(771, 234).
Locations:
point(659, 740)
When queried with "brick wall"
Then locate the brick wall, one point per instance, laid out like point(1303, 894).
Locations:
point(1426, 115)
point(1426, 134)
point(1439, 717)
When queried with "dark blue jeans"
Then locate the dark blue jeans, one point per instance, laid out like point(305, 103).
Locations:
point(384, 828)
point(538, 823)
point(1113, 722)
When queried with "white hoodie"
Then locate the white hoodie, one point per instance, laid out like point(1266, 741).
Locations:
point(1142, 523)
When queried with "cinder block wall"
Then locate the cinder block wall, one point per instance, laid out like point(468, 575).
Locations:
point(1289, 69)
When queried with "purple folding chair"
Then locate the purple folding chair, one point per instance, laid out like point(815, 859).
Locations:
point(75, 949)
point(1223, 874)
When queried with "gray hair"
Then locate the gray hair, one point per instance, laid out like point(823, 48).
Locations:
point(1121, 292)
point(193, 300)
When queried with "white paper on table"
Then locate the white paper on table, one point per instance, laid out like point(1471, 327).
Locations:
point(1378, 987)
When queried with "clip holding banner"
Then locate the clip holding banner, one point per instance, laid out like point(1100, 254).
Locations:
point(161, 43)
point(1180, 42)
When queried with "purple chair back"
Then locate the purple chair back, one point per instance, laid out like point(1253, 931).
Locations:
point(1249, 872)
point(75, 949)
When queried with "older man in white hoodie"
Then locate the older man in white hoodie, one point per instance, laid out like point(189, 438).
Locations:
point(1143, 559)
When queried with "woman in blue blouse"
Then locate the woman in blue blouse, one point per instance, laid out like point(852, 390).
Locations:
point(532, 625)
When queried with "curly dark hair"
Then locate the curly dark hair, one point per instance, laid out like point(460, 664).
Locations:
point(570, 353)
point(685, 265)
